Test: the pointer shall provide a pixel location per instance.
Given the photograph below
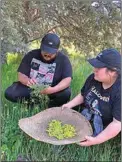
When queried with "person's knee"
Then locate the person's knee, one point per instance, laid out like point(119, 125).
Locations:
point(60, 98)
point(65, 94)
point(17, 92)
point(9, 95)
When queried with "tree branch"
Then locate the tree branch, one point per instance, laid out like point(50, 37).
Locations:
point(49, 31)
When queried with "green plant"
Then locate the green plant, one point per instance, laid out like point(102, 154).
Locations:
point(60, 131)
point(14, 58)
point(36, 96)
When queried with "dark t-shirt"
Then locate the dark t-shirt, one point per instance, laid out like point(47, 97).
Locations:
point(105, 101)
point(47, 73)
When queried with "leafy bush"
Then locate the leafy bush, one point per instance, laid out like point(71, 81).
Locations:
point(14, 58)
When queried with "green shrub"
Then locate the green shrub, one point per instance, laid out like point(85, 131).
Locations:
point(14, 58)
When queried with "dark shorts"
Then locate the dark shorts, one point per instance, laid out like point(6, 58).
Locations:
point(18, 92)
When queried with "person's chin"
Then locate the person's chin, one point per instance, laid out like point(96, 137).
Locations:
point(47, 60)
point(96, 78)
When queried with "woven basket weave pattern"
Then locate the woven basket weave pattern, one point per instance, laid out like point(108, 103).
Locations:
point(37, 125)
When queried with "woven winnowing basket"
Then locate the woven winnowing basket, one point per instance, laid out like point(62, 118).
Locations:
point(37, 125)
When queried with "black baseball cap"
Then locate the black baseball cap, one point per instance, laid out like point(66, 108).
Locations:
point(109, 58)
point(50, 43)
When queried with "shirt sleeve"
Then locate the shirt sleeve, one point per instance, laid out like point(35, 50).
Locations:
point(116, 106)
point(87, 83)
point(25, 65)
point(67, 69)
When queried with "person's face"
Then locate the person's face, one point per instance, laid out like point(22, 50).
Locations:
point(102, 74)
point(47, 56)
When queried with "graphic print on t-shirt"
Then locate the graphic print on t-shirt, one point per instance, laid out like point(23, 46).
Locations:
point(93, 98)
point(95, 107)
point(42, 72)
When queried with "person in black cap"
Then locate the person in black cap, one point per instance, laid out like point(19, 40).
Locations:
point(44, 66)
point(100, 97)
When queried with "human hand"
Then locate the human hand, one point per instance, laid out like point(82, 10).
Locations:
point(89, 141)
point(31, 82)
point(48, 90)
point(66, 106)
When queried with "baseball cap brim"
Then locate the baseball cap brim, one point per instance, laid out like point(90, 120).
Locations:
point(48, 49)
point(96, 63)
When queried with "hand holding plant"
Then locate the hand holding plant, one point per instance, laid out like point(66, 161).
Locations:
point(31, 82)
point(36, 95)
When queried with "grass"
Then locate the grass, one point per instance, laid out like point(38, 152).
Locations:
point(15, 141)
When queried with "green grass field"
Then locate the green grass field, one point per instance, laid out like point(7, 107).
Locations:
point(15, 142)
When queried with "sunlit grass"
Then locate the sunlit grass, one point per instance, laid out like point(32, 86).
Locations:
point(15, 141)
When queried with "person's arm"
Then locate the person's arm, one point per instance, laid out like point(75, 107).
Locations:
point(63, 84)
point(25, 79)
point(79, 99)
point(109, 132)
point(24, 70)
